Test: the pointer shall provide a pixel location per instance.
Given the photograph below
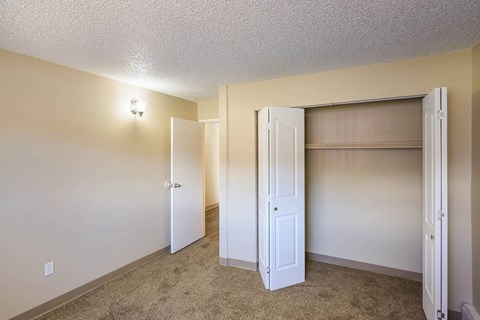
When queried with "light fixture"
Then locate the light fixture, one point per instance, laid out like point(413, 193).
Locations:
point(137, 107)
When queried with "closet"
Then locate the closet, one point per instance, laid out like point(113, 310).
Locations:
point(362, 182)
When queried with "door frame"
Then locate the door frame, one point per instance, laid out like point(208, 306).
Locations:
point(444, 232)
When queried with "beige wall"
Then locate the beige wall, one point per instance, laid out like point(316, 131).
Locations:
point(476, 176)
point(81, 179)
point(208, 109)
point(211, 163)
point(418, 76)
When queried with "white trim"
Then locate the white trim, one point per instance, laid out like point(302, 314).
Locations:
point(210, 120)
point(223, 171)
point(444, 200)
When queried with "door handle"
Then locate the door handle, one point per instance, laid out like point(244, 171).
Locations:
point(170, 185)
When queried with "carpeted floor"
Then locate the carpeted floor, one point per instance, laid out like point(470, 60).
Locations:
point(192, 285)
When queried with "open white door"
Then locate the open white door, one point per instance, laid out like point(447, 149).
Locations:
point(281, 197)
point(263, 197)
point(435, 215)
point(187, 183)
point(287, 197)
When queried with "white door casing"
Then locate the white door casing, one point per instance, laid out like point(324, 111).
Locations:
point(282, 230)
point(435, 205)
point(187, 211)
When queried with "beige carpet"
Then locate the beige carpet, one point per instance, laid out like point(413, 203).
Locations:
point(192, 285)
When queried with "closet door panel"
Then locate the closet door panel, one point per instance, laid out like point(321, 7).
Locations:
point(287, 208)
point(263, 197)
point(435, 215)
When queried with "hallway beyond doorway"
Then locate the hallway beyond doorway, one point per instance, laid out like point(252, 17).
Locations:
point(211, 223)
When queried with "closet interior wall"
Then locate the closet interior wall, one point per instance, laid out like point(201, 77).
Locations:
point(364, 183)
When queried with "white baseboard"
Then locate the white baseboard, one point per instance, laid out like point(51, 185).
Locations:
point(469, 312)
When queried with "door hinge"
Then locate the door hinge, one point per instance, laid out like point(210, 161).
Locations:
point(440, 114)
point(268, 269)
point(440, 314)
point(440, 215)
point(269, 125)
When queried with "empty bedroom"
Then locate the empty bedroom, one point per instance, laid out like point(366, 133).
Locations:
point(239, 160)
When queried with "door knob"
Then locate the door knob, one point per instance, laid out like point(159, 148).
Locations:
point(169, 185)
point(275, 209)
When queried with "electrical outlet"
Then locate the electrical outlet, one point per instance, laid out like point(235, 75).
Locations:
point(49, 268)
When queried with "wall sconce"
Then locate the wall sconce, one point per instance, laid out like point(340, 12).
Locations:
point(137, 107)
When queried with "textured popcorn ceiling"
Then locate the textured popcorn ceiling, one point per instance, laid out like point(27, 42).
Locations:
point(189, 48)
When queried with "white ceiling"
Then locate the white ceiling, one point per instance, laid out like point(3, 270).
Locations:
point(189, 48)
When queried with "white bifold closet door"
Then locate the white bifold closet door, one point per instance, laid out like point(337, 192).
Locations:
point(281, 196)
point(435, 215)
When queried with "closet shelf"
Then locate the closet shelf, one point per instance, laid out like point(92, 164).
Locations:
point(366, 145)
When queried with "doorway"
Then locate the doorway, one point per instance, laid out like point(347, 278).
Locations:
point(212, 168)
point(378, 188)
point(365, 201)
point(364, 185)
point(194, 182)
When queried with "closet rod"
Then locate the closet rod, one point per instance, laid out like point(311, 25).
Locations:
point(418, 96)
